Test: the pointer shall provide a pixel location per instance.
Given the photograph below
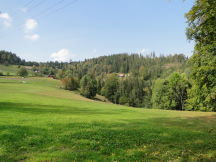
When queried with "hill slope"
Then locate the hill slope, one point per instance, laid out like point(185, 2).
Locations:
point(40, 122)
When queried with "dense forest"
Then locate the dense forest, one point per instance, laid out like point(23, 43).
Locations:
point(9, 58)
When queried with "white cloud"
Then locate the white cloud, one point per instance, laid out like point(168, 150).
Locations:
point(7, 20)
point(30, 25)
point(5, 16)
point(32, 37)
point(62, 55)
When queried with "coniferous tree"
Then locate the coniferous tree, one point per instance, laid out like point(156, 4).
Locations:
point(88, 86)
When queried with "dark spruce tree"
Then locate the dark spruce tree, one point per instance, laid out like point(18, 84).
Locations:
point(88, 86)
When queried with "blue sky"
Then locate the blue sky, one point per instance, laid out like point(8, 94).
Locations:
point(45, 30)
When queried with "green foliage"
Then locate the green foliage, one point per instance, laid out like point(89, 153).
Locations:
point(110, 89)
point(22, 72)
point(148, 67)
point(130, 90)
point(9, 58)
point(70, 83)
point(179, 85)
point(161, 94)
point(170, 93)
point(202, 29)
point(123, 100)
point(138, 74)
point(88, 86)
point(133, 87)
point(60, 74)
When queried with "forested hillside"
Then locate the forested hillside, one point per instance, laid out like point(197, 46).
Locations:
point(123, 78)
point(148, 66)
point(9, 58)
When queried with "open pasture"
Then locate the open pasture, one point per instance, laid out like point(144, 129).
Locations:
point(41, 122)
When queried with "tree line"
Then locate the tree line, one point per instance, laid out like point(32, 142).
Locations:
point(130, 79)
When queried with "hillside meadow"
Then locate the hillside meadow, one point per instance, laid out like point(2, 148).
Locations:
point(41, 122)
point(12, 69)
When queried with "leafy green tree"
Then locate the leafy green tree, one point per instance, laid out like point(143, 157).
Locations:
point(202, 29)
point(179, 86)
point(110, 89)
point(171, 93)
point(88, 86)
point(22, 72)
point(161, 95)
point(70, 83)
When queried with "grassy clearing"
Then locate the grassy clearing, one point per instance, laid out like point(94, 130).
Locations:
point(40, 122)
point(12, 69)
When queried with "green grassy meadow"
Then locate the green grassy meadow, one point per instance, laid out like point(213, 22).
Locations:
point(12, 69)
point(41, 122)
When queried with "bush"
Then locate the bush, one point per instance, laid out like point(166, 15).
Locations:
point(123, 100)
point(60, 74)
point(22, 72)
point(70, 83)
point(1, 74)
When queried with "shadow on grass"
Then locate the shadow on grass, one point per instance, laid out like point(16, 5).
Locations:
point(51, 109)
point(136, 140)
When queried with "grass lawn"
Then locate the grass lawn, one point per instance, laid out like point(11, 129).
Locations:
point(40, 122)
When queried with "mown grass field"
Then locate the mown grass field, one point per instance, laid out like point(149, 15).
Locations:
point(41, 122)
point(12, 69)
